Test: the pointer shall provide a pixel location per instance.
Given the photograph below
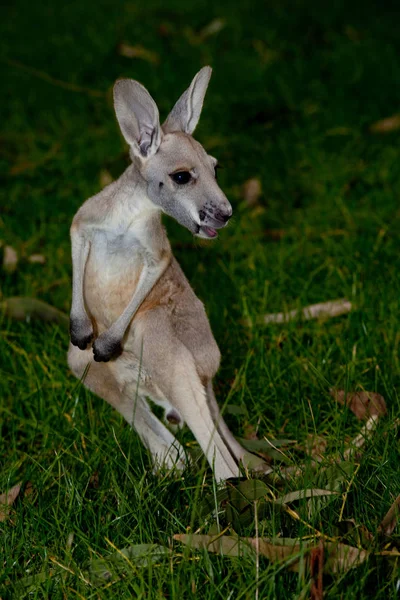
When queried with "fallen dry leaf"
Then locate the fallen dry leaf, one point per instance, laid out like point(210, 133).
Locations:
point(386, 125)
point(391, 518)
point(249, 432)
point(10, 259)
point(252, 191)
point(316, 446)
point(224, 544)
point(215, 26)
point(138, 52)
point(362, 404)
point(197, 37)
point(360, 439)
point(24, 309)
point(37, 258)
point(7, 500)
point(301, 494)
point(317, 571)
point(105, 178)
point(338, 558)
point(94, 480)
point(332, 308)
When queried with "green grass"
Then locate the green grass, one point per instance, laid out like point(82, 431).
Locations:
point(296, 86)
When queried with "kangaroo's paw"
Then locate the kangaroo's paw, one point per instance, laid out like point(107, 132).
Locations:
point(106, 347)
point(81, 331)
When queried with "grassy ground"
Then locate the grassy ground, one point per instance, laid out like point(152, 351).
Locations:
point(296, 86)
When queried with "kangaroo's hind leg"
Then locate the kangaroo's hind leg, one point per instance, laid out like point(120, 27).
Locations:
point(172, 367)
point(102, 379)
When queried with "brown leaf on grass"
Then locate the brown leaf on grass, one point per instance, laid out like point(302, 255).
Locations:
point(252, 191)
point(27, 165)
point(37, 258)
point(386, 125)
point(353, 533)
point(339, 557)
point(317, 571)
point(316, 446)
point(215, 26)
point(360, 439)
point(138, 52)
point(302, 494)
point(227, 545)
point(196, 38)
point(94, 480)
point(105, 178)
point(24, 309)
point(274, 234)
point(249, 432)
point(362, 404)
point(391, 518)
point(7, 500)
point(321, 310)
point(10, 259)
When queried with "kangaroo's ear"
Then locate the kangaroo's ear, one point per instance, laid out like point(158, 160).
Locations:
point(186, 112)
point(138, 117)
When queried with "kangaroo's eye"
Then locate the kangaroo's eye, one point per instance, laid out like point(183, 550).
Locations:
point(182, 177)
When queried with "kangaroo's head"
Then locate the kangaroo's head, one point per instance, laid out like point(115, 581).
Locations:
point(179, 174)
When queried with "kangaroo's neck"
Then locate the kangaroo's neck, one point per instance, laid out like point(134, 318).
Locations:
point(135, 215)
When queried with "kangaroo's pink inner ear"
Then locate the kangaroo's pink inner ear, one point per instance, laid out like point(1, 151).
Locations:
point(186, 113)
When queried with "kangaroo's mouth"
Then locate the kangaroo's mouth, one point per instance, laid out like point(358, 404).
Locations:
point(207, 232)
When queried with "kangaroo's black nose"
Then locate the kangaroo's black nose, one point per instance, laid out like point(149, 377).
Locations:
point(223, 216)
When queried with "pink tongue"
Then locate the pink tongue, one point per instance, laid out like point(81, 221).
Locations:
point(209, 231)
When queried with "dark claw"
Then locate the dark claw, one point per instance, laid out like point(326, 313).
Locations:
point(77, 339)
point(111, 350)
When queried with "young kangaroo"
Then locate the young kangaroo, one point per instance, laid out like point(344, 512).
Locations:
point(131, 296)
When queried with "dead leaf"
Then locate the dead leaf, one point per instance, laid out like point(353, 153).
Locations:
point(7, 500)
point(386, 125)
point(94, 480)
point(226, 545)
point(267, 449)
point(37, 258)
point(215, 26)
point(362, 404)
point(27, 165)
point(353, 533)
point(24, 309)
point(252, 191)
point(138, 52)
point(317, 570)
point(197, 37)
point(10, 259)
point(127, 559)
point(235, 409)
point(250, 432)
point(391, 518)
point(321, 310)
point(339, 557)
point(316, 446)
point(301, 494)
point(289, 548)
point(105, 178)
point(274, 234)
point(360, 439)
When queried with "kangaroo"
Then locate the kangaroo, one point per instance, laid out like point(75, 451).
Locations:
point(137, 329)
